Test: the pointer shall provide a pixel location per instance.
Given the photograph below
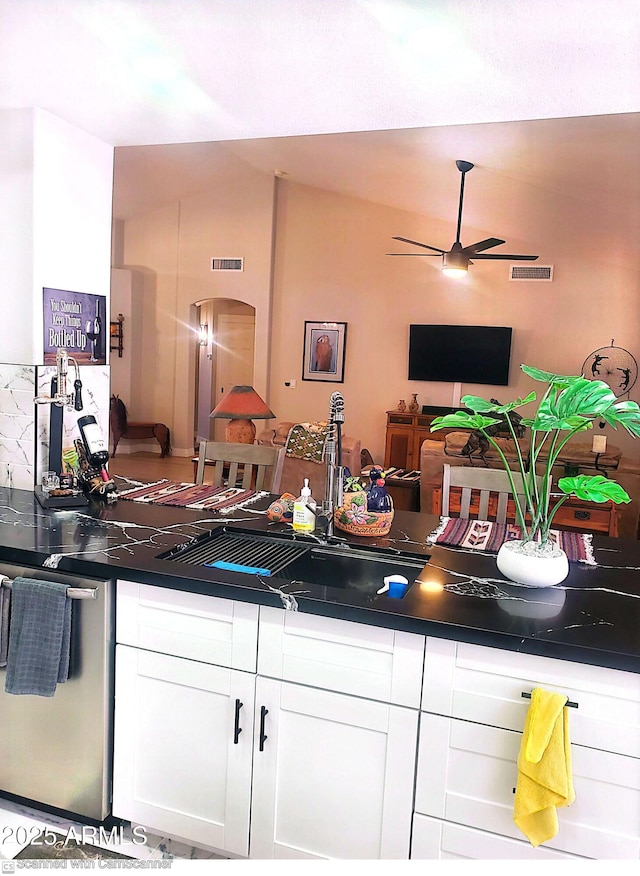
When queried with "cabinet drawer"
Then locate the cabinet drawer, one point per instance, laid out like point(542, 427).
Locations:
point(485, 685)
point(341, 656)
point(439, 840)
point(467, 773)
point(587, 517)
point(204, 628)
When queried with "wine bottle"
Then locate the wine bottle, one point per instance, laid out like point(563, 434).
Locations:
point(100, 344)
point(93, 440)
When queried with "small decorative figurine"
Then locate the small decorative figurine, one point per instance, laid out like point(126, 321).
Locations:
point(377, 497)
point(402, 405)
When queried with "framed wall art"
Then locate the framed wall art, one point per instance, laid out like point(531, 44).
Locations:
point(324, 349)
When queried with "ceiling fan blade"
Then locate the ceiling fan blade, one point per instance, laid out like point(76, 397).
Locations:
point(509, 256)
point(416, 243)
point(483, 244)
point(419, 255)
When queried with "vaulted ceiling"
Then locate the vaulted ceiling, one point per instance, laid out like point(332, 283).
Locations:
point(374, 98)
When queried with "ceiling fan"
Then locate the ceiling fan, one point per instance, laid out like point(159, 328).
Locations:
point(456, 261)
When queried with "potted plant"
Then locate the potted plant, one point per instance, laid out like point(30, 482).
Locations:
point(568, 405)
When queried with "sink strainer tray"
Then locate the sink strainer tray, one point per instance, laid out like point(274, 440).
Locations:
point(238, 552)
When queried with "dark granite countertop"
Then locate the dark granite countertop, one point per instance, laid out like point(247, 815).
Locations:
point(592, 617)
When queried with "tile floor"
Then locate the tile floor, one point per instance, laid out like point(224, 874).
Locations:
point(20, 825)
point(147, 466)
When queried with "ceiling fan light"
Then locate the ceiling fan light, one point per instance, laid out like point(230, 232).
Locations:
point(455, 272)
point(455, 264)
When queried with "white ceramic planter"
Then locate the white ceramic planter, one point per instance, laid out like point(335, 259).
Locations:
point(525, 563)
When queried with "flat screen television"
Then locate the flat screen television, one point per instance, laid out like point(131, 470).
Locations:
point(460, 353)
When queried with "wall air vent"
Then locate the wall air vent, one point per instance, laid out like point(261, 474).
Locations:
point(531, 272)
point(227, 264)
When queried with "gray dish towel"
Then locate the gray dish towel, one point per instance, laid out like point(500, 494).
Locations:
point(39, 637)
point(5, 602)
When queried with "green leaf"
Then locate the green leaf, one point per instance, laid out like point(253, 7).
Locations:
point(545, 421)
point(548, 376)
point(505, 409)
point(587, 398)
point(625, 414)
point(478, 405)
point(462, 420)
point(594, 488)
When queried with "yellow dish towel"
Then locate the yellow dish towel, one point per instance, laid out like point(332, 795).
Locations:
point(544, 767)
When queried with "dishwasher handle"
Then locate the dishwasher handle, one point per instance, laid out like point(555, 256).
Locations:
point(72, 592)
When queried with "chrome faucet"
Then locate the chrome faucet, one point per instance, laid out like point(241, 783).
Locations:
point(333, 457)
point(61, 394)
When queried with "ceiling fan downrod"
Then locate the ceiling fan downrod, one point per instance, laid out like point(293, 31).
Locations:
point(464, 167)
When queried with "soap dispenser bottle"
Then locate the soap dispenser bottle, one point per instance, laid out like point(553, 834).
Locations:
point(304, 517)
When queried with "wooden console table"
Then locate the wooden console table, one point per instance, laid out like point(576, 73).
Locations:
point(405, 434)
point(574, 515)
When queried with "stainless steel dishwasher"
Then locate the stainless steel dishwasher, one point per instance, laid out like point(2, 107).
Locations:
point(56, 750)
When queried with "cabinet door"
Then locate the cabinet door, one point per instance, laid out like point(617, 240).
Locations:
point(398, 450)
point(419, 436)
point(334, 778)
point(180, 766)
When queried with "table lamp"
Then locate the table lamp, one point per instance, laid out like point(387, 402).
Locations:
point(241, 406)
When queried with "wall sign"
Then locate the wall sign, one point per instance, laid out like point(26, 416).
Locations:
point(75, 322)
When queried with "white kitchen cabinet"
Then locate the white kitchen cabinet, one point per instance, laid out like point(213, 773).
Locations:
point(183, 744)
point(205, 628)
point(324, 765)
point(333, 775)
point(470, 734)
point(342, 656)
point(433, 838)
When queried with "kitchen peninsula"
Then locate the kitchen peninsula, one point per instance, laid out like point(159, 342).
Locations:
point(336, 691)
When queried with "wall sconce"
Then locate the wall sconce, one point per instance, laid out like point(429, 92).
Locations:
point(203, 334)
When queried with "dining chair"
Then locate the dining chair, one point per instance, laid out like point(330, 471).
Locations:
point(255, 466)
point(484, 493)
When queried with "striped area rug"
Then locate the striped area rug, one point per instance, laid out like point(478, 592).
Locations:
point(483, 535)
point(199, 497)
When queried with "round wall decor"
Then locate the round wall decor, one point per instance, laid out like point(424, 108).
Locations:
point(614, 365)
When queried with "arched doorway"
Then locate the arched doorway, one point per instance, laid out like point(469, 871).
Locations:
point(226, 359)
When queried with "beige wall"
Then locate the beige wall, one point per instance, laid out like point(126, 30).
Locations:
point(330, 264)
point(172, 248)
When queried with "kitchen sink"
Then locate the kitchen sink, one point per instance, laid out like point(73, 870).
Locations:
point(298, 561)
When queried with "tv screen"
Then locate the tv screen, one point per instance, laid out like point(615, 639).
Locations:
point(460, 353)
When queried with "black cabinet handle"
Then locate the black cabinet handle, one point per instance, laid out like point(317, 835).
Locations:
point(263, 736)
point(569, 704)
point(237, 729)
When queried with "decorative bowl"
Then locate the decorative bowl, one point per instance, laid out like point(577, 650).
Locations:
point(352, 516)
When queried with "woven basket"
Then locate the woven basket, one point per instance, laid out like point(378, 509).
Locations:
point(353, 517)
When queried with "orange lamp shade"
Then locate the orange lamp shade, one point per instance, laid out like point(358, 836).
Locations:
point(241, 406)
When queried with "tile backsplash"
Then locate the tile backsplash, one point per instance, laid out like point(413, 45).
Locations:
point(24, 425)
point(17, 426)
